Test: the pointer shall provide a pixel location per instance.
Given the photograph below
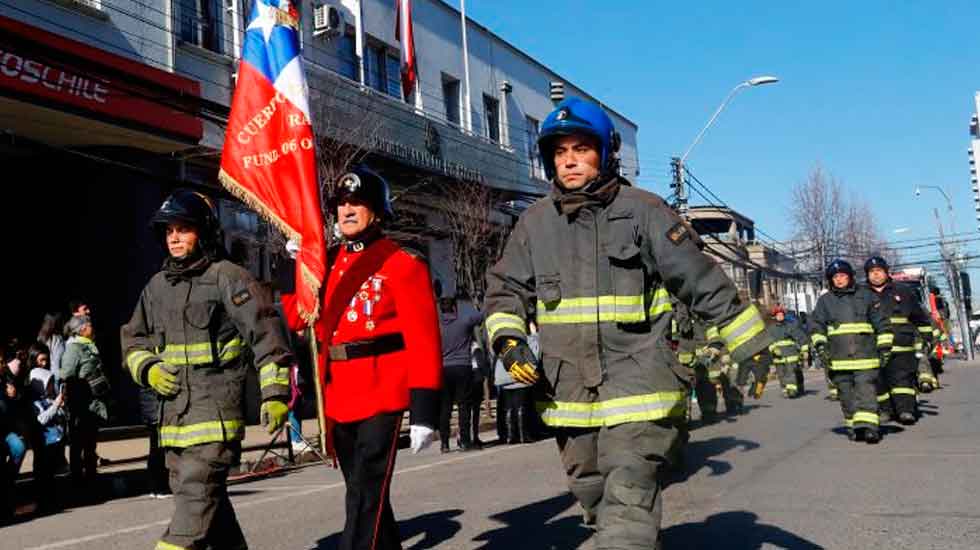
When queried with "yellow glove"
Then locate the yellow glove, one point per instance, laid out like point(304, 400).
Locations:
point(273, 414)
point(519, 361)
point(162, 380)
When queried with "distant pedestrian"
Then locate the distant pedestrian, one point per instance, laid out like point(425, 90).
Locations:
point(457, 320)
point(87, 391)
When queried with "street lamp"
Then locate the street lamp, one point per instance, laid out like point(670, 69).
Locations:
point(919, 188)
point(678, 162)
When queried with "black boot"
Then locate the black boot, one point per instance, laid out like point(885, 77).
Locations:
point(872, 436)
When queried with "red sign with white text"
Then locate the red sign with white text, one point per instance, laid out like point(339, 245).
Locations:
point(36, 64)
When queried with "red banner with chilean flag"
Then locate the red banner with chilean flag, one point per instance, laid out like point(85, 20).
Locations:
point(269, 158)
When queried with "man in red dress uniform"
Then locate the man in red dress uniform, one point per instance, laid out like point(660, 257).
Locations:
point(378, 339)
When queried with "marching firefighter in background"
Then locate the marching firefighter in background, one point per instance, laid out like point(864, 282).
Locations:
point(788, 352)
point(852, 338)
point(700, 349)
point(601, 259)
point(897, 380)
point(381, 355)
point(185, 340)
point(928, 338)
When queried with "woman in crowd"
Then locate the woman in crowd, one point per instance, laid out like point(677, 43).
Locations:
point(87, 392)
point(50, 336)
point(19, 428)
point(49, 449)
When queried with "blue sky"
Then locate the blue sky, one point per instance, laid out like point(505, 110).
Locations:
point(879, 93)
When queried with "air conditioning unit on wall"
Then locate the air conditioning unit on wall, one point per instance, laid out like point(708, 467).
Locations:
point(328, 20)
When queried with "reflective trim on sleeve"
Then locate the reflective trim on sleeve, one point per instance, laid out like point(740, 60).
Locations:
point(926, 329)
point(883, 397)
point(637, 408)
point(272, 374)
point(850, 328)
point(853, 364)
point(712, 333)
point(885, 339)
point(866, 417)
point(899, 320)
point(743, 328)
point(786, 360)
point(903, 349)
point(202, 432)
point(685, 358)
point(499, 321)
point(818, 338)
point(660, 303)
point(903, 391)
point(136, 360)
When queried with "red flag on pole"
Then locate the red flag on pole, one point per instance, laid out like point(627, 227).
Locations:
point(405, 34)
point(269, 159)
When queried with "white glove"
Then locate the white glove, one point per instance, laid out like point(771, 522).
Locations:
point(292, 248)
point(421, 437)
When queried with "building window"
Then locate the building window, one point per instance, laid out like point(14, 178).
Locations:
point(450, 99)
point(201, 24)
point(383, 72)
point(491, 109)
point(533, 154)
point(347, 52)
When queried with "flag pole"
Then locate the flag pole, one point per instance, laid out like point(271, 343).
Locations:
point(467, 113)
point(318, 388)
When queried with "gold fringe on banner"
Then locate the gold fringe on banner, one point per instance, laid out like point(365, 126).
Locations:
point(256, 204)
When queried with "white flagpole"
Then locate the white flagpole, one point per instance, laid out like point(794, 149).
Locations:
point(467, 109)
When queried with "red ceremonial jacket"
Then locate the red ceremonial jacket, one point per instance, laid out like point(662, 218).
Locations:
point(397, 298)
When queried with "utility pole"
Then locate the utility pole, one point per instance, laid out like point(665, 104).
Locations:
point(678, 184)
point(953, 278)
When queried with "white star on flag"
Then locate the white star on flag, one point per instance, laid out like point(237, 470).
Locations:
point(266, 20)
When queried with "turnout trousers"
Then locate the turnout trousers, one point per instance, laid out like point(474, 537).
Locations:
point(203, 517)
point(897, 384)
point(858, 391)
point(366, 451)
point(615, 472)
point(790, 378)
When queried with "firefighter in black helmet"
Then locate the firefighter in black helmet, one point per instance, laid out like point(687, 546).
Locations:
point(850, 335)
point(185, 340)
point(897, 382)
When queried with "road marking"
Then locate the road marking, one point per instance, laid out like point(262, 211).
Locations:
point(136, 528)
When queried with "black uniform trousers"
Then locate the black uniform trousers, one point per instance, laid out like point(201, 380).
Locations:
point(156, 464)
point(897, 384)
point(84, 434)
point(858, 391)
point(457, 382)
point(203, 516)
point(366, 450)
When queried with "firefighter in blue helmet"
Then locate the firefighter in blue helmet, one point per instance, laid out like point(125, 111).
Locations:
point(853, 338)
point(601, 260)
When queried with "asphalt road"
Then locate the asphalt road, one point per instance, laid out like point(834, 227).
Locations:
point(780, 476)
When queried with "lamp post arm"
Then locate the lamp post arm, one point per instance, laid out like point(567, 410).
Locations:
point(711, 120)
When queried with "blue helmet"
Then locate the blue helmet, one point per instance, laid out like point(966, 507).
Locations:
point(839, 266)
point(575, 116)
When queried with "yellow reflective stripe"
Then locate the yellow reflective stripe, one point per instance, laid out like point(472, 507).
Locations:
point(903, 391)
point(805, 348)
point(743, 328)
point(500, 321)
point(902, 349)
point(659, 303)
point(899, 320)
point(786, 360)
point(885, 338)
point(792, 387)
point(202, 432)
point(849, 422)
point(272, 374)
point(712, 333)
point(818, 338)
point(883, 397)
point(925, 377)
point(866, 417)
point(853, 364)
point(637, 408)
point(685, 357)
point(161, 545)
point(783, 342)
point(200, 353)
point(136, 361)
point(926, 329)
point(850, 328)
point(589, 309)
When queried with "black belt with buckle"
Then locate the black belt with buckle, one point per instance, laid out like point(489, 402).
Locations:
point(389, 343)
